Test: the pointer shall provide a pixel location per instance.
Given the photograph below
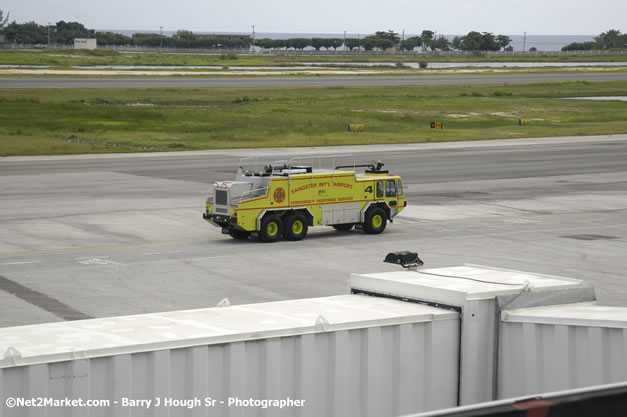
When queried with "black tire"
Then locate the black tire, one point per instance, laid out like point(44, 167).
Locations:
point(271, 228)
point(295, 227)
point(375, 221)
point(343, 227)
point(239, 234)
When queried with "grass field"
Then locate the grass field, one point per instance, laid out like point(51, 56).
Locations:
point(69, 57)
point(70, 121)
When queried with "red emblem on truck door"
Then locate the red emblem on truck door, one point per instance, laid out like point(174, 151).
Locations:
point(279, 195)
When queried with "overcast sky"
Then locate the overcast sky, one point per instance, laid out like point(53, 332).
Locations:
point(536, 17)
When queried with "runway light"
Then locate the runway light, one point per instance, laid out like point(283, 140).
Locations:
point(405, 259)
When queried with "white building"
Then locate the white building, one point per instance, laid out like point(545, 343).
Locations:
point(84, 43)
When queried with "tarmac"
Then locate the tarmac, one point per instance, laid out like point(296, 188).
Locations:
point(106, 235)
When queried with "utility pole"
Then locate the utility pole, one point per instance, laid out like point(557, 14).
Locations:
point(524, 41)
point(344, 41)
point(49, 24)
point(161, 38)
point(253, 39)
point(401, 46)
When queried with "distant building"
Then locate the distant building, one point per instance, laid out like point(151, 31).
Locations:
point(84, 43)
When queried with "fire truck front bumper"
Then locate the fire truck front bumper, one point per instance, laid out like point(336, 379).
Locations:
point(219, 220)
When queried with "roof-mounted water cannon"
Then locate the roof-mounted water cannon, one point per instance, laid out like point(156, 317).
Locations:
point(375, 168)
point(372, 168)
point(377, 165)
point(406, 259)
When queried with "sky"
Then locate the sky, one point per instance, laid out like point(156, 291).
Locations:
point(536, 17)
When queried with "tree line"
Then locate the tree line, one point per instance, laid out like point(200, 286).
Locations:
point(612, 39)
point(385, 40)
point(65, 32)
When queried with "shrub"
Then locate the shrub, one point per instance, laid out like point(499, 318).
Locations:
point(231, 57)
point(244, 99)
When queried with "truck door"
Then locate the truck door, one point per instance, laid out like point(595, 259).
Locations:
point(391, 195)
point(386, 190)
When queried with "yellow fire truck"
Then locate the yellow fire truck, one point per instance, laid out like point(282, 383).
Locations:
point(284, 199)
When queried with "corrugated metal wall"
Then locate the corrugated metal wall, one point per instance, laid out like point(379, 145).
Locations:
point(549, 357)
point(480, 293)
point(376, 371)
point(477, 352)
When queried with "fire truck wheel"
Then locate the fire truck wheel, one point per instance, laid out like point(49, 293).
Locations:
point(239, 234)
point(343, 227)
point(295, 227)
point(376, 220)
point(271, 228)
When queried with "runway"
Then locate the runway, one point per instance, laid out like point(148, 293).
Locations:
point(101, 235)
point(300, 81)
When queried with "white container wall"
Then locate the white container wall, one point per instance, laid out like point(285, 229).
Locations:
point(479, 293)
point(349, 355)
point(562, 347)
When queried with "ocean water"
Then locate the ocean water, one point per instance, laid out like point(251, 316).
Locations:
point(540, 42)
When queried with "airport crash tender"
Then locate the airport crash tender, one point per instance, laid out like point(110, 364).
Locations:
point(286, 199)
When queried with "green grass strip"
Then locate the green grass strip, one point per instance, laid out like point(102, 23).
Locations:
point(76, 121)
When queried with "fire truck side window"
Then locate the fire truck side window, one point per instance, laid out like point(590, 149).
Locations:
point(399, 187)
point(379, 189)
point(390, 188)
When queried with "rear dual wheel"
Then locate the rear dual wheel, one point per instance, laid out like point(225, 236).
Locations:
point(292, 227)
point(271, 228)
point(295, 227)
